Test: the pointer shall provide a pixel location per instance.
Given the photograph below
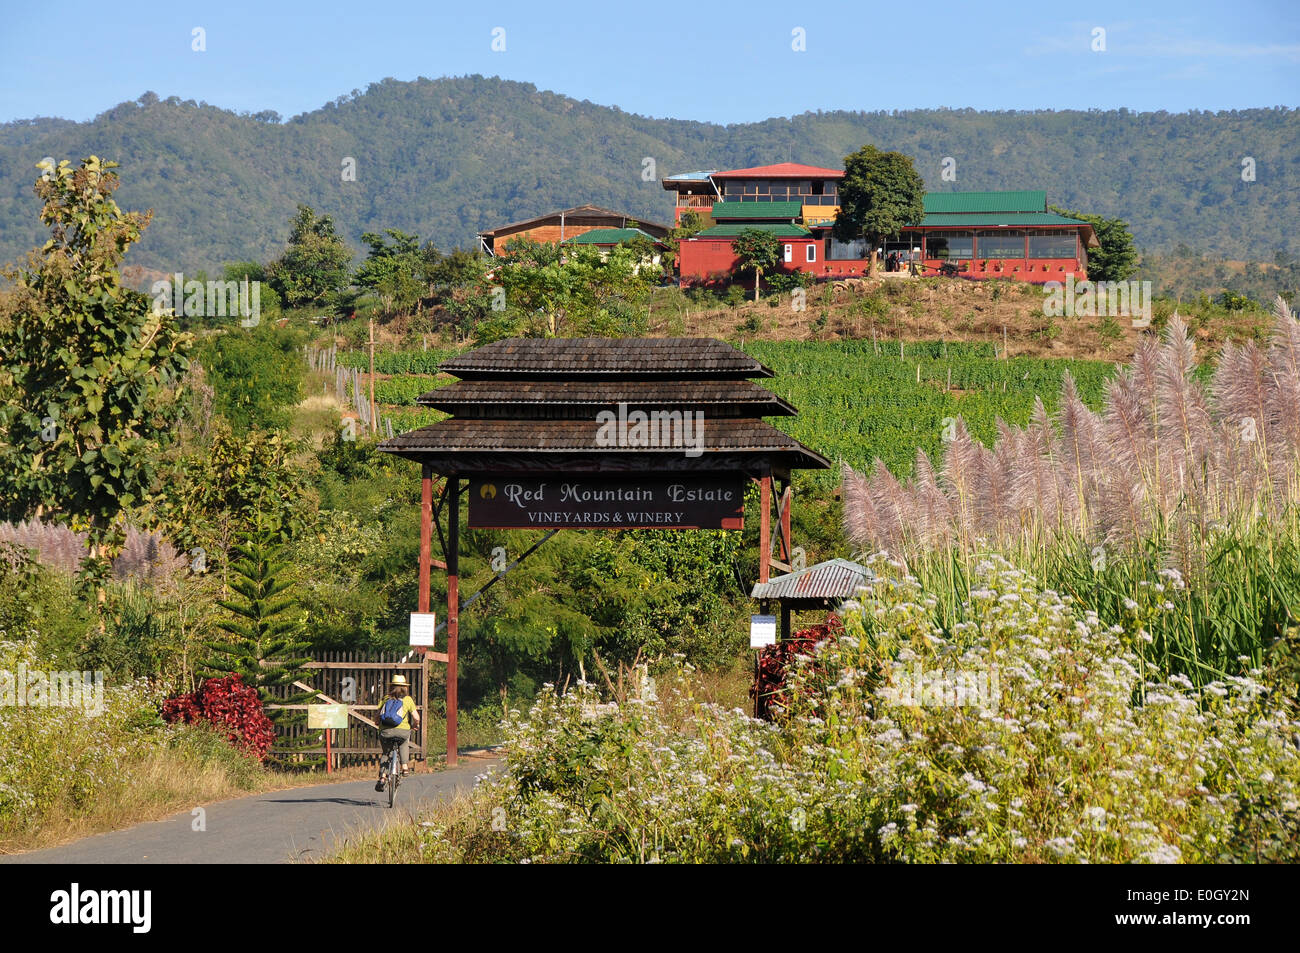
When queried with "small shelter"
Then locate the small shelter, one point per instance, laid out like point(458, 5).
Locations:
point(821, 586)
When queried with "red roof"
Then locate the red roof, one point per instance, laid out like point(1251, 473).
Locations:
point(782, 170)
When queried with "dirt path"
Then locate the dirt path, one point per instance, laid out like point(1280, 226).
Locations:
point(296, 824)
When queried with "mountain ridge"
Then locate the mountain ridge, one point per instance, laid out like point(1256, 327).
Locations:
point(446, 158)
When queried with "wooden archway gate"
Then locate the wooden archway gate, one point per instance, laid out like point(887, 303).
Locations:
point(556, 434)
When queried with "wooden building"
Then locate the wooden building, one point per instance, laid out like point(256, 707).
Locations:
point(976, 234)
point(558, 227)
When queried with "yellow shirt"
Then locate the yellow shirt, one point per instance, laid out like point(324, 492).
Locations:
point(408, 706)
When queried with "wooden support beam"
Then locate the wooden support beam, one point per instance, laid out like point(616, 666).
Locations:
point(453, 611)
point(787, 498)
point(426, 535)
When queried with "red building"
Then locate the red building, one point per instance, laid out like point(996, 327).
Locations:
point(978, 234)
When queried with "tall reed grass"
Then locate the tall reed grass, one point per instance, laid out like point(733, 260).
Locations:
point(1178, 495)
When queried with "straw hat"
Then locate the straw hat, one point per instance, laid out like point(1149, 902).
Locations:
point(400, 680)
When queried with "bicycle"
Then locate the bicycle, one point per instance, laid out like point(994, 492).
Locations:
point(394, 771)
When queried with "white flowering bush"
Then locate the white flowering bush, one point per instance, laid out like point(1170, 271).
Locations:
point(1066, 752)
point(1074, 756)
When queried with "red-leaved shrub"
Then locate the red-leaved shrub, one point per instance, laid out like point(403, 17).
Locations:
point(774, 662)
point(228, 705)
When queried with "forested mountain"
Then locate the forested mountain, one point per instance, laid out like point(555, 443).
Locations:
point(446, 158)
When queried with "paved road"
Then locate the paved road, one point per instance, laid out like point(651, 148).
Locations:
point(272, 828)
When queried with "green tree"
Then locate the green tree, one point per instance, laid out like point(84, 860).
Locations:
point(758, 250)
point(315, 264)
point(588, 293)
point(266, 647)
point(881, 193)
point(257, 375)
point(1117, 257)
point(396, 272)
point(90, 370)
point(222, 491)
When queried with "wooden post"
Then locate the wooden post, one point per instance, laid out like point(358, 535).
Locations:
point(424, 707)
point(765, 527)
point(374, 420)
point(787, 547)
point(453, 609)
point(426, 534)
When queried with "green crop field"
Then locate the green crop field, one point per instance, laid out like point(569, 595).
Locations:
point(857, 403)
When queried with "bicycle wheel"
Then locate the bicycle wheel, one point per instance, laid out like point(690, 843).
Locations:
point(392, 779)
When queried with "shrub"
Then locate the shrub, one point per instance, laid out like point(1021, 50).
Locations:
point(230, 705)
point(63, 757)
point(1070, 754)
point(775, 661)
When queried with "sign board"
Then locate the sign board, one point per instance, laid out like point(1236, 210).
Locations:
point(327, 716)
point(423, 626)
point(602, 501)
point(762, 631)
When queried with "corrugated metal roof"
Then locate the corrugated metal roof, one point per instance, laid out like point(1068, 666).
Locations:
point(731, 231)
point(702, 176)
point(832, 579)
point(782, 170)
point(576, 214)
point(609, 236)
point(724, 210)
point(1028, 200)
point(996, 220)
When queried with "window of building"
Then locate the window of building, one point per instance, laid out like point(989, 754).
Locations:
point(950, 245)
point(1003, 243)
point(1053, 245)
point(789, 253)
point(855, 250)
point(812, 251)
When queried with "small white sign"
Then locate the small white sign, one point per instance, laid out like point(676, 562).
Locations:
point(762, 631)
point(422, 628)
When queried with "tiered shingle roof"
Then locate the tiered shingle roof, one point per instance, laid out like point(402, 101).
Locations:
point(530, 405)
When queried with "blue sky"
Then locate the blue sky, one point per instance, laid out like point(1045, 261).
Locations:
point(724, 62)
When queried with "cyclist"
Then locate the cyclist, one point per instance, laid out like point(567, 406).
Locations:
point(399, 734)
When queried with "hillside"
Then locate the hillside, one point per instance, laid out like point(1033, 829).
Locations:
point(445, 158)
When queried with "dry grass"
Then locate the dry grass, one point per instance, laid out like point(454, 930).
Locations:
point(928, 310)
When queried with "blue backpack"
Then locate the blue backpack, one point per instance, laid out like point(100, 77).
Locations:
point(391, 715)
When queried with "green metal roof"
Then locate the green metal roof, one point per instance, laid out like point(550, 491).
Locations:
point(732, 230)
point(996, 220)
point(608, 236)
point(967, 202)
point(747, 210)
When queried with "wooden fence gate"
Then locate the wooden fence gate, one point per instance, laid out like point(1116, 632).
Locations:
point(360, 681)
